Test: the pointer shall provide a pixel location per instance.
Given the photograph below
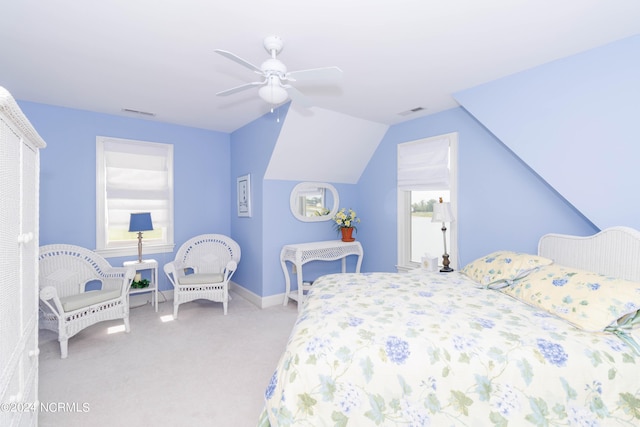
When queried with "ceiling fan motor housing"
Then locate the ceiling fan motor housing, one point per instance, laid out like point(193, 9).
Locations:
point(273, 45)
point(274, 66)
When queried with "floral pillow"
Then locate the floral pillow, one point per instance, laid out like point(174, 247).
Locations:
point(503, 267)
point(588, 300)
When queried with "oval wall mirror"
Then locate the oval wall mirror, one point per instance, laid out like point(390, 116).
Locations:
point(314, 201)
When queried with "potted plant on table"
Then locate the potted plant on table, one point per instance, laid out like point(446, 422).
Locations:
point(345, 222)
point(140, 284)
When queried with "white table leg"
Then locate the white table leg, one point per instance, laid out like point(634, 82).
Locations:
point(300, 288)
point(287, 281)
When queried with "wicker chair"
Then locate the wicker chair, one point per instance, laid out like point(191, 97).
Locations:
point(67, 303)
point(202, 269)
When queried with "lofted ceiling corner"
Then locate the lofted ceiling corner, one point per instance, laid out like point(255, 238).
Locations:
point(321, 145)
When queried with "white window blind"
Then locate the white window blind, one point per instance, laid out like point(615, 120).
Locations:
point(423, 164)
point(427, 169)
point(134, 176)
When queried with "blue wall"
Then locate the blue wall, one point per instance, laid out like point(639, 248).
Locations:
point(281, 228)
point(502, 204)
point(575, 122)
point(68, 175)
point(272, 225)
point(251, 148)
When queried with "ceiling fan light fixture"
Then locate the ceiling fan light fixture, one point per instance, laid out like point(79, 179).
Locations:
point(273, 93)
point(275, 88)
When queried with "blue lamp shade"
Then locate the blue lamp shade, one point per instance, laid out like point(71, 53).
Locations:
point(140, 222)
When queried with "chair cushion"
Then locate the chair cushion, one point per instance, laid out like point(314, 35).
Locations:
point(201, 279)
point(85, 299)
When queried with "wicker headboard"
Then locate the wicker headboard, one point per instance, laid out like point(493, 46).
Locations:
point(614, 252)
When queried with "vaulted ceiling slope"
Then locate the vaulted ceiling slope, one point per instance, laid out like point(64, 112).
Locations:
point(575, 123)
point(158, 57)
point(322, 145)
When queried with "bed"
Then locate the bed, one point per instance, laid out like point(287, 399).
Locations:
point(511, 340)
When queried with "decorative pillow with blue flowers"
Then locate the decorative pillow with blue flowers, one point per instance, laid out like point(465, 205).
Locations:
point(503, 267)
point(588, 300)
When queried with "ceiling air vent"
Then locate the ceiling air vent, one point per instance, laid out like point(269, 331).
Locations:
point(142, 113)
point(411, 111)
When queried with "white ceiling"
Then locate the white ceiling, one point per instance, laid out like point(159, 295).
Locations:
point(158, 56)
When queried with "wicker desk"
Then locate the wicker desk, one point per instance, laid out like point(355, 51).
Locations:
point(302, 253)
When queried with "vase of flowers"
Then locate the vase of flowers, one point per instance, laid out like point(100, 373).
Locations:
point(345, 222)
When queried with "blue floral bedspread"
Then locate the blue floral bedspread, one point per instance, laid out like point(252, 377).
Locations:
point(431, 349)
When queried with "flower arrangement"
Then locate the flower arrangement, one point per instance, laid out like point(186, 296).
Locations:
point(345, 219)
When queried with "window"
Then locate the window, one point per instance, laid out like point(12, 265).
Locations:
point(426, 172)
point(133, 176)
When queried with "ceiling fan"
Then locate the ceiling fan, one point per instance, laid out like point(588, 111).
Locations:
point(275, 87)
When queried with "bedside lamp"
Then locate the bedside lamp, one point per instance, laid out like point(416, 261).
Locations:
point(140, 222)
point(442, 213)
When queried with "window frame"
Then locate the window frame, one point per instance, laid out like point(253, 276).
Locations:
point(404, 212)
point(130, 248)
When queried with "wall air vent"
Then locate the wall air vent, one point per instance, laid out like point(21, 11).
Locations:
point(142, 113)
point(411, 111)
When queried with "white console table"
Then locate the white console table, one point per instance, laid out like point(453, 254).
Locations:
point(302, 253)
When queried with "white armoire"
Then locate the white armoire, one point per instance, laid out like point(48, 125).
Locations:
point(19, 186)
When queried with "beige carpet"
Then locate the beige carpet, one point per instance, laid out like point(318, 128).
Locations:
point(203, 369)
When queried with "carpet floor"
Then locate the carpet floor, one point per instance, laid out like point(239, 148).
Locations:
point(203, 369)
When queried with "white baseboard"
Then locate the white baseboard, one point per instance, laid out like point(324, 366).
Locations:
point(167, 296)
point(258, 301)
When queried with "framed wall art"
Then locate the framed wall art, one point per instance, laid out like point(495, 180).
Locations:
point(244, 195)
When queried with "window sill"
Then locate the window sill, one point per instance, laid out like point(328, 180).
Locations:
point(133, 250)
point(407, 268)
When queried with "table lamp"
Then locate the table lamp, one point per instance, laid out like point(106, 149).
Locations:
point(442, 213)
point(140, 222)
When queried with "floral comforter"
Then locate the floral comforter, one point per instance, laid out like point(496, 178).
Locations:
point(429, 349)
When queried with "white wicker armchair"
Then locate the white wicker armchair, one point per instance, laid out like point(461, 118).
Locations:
point(202, 269)
point(66, 306)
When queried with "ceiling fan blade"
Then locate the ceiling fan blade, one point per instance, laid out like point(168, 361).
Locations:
point(239, 60)
point(298, 97)
point(325, 73)
point(239, 88)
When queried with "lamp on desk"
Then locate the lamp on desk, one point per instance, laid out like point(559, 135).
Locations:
point(140, 222)
point(442, 213)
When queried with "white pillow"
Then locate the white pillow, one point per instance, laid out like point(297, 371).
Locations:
point(503, 267)
point(588, 300)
